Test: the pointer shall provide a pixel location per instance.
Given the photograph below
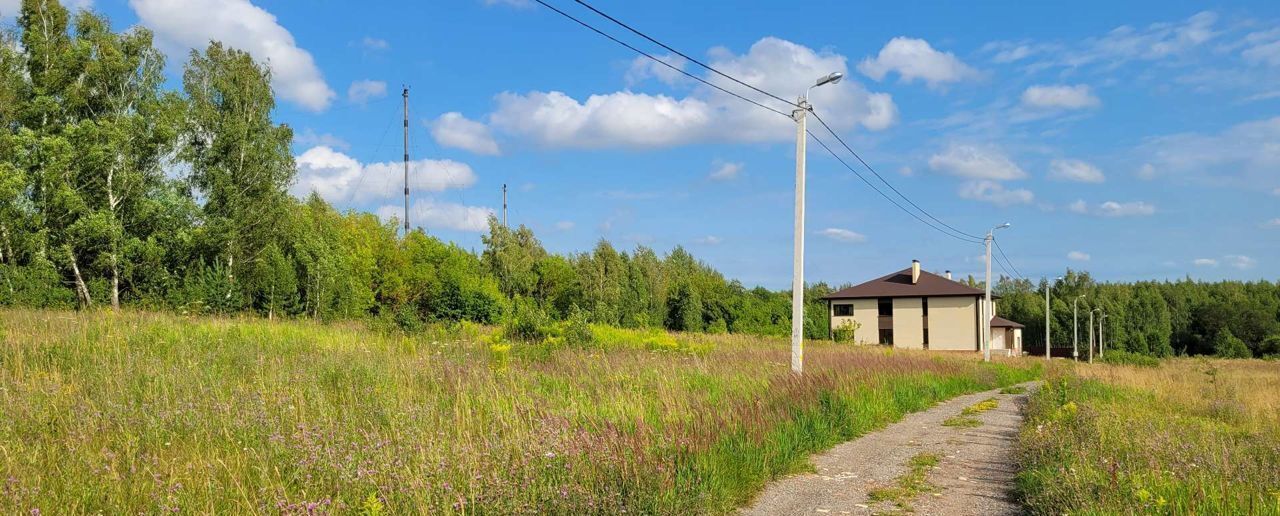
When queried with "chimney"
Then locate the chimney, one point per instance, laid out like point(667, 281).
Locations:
point(915, 271)
point(948, 274)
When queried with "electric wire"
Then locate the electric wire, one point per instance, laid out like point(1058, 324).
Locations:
point(656, 60)
point(1006, 258)
point(685, 56)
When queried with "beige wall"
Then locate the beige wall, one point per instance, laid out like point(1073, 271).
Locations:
point(865, 312)
point(953, 323)
point(998, 340)
point(908, 325)
point(1017, 341)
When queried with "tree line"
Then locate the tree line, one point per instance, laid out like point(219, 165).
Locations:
point(115, 191)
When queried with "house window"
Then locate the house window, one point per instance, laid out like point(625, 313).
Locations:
point(844, 310)
point(886, 307)
point(924, 306)
point(886, 337)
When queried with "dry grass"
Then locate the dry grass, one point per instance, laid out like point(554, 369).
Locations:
point(1247, 390)
point(126, 413)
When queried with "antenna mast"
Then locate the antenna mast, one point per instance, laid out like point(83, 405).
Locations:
point(405, 94)
point(504, 205)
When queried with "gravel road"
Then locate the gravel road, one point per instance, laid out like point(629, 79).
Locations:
point(974, 476)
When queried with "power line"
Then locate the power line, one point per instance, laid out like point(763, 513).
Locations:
point(882, 194)
point(886, 182)
point(1006, 257)
point(655, 59)
point(685, 56)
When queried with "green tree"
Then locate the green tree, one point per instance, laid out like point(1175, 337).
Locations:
point(1226, 345)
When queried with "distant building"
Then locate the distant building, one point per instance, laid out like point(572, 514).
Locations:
point(913, 309)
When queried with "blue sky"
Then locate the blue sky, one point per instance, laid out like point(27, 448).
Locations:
point(1131, 139)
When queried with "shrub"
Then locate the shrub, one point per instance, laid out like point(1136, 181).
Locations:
point(1119, 357)
point(846, 331)
point(1226, 345)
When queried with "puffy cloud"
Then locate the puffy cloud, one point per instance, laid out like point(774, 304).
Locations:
point(995, 193)
point(309, 138)
point(1077, 256)
point(630, 119)
point(843, 235)
point(339, 178)
point(1147, 171)
point(457, 131)
point(1078, 207)
point(915, 59)
point(1075, 170)
point(643, 68)
point(1079, 96)
point(1240, 262)
point(726, 171)
point(1204, 262)
point(431, 215)
point(361, 92)
point(975, 163)
point(184, 24)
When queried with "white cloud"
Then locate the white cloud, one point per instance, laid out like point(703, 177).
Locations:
point(184, 24)
point(361, 92)
point(309, 138)
point(843, 235)
point(643, 68)
point(1060, 97)
point(1240, 262)
point(1244, 154)
point(708, 240)
point(1113, 209)
point(565, 225)
point(915, 59)
point(1272, 224)
point(1125, 209)
point(431, 215)
point(339, 178)
point(1147, 171)
point(995, 193)
point(1077, 256)
point(630, 119)
point(906, 171)
point(1156, 41)
point(1075, 170)
point(1204, 262)
point(457, 131)
point(975, 163)
point(726, 171)
point(372, 43)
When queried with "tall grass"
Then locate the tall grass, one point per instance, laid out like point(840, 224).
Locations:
point(1187, 437)
point(146, 413)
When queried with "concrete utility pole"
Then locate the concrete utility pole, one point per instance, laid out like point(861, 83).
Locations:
point(1047, 309)
point(797, 261)
point(1091, 333)
point(987, 312)
point(504, 205)
point(1102, 333)
point(1075, 329)
point(405, 94)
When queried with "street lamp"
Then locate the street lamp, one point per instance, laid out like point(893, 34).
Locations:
point(1092, 333)
point(1102, 344)
point(1075, 329)
point(1047, 287)
point(797, 265)
point(986, 300)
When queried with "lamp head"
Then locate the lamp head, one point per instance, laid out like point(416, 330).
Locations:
point(833, 78)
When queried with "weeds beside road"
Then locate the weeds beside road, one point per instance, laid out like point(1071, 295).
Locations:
point(146, 413)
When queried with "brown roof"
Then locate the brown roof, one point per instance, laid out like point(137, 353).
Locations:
point(1001, 322)
point(898, 284)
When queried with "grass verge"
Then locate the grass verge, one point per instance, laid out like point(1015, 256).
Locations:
point(136, 412)
point(962, 422)
point(1144, 444)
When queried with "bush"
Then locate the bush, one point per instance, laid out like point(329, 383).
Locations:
point(846, 331)
point(1270, 347)
point(1119, 357)
point(1226, 345)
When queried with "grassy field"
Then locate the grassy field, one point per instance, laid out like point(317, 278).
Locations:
point(1190, 436)
point(146, 413)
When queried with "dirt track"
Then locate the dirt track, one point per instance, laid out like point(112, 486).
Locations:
point(974, 476)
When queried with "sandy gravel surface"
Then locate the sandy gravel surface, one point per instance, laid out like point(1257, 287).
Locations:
point(974, 476)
